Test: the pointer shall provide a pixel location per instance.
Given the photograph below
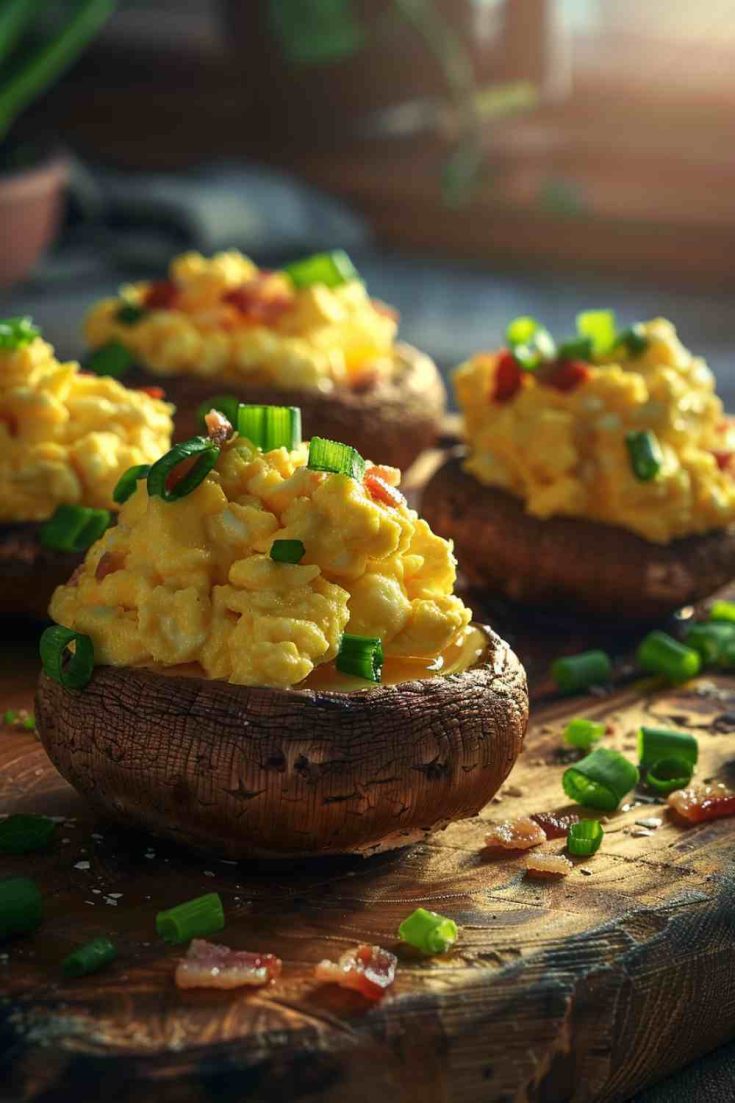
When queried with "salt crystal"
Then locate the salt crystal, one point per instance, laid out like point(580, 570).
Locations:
point(650, 821)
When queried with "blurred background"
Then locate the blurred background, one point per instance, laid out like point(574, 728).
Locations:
point(478, 158)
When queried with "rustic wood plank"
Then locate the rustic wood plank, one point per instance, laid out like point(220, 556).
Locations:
point(584, 989)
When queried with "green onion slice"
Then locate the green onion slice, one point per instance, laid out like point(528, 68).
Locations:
point(270, 427)
point(111, 359)
point(21, 906)
point(577, 348)
point(330, 455)
point(600, 780)
point(583, 733)
point(584, 838)
point(722, 611)
point(128, 481)
point(225, 404)
point(660, 653)
point(530, 342)
point(428, 931)
point(71, 669)
point(163, 469)
point(646, 457)
point(599, 327)
point(74, 528)
point(16, 333)
point(574, 673)
point(22, 833)
point(331, 269)
point(668, 774)
point(130, 313)
point(197, 918)
point(361, 656)
point(711, 640)
point(287, 551)
point(89, 958)
point(657, 743)
point(633, 340)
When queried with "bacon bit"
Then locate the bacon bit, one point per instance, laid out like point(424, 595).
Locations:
point(161, 295)
point(75, 576)
point(208, 965)
point(568, 375)
point(177, 473)
point(363, 380)
point(723, 460)
point(108, 563)
point(369, 970)
point(386, 310)
point(553, 825)
point(219, 429)
point(381, 491)
point(152, 392)
point(507, 377)
point(519, 834)
point(703, 802)
point(548, 865)
point(255, 305)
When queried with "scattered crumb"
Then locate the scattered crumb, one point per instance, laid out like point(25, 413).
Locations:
point(209, 873)
point(81, 865)
point(548, 865)
point(65, 842)
point(585, 871)
point(497, 799)
point(513, 791)
point(115, 895)
point(640, 832)
point(650, 821)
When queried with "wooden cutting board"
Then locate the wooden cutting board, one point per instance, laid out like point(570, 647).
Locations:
point(583, 989)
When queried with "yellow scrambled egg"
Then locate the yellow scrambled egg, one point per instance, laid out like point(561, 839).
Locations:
point(565, 452)
point(192, 581)
point(66, 437)
point(223, 318)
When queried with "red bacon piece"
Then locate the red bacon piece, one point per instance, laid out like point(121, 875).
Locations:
point(518, 834)
point(548, 865)
point(381, 491)
point(369, 970)
point(723, 460)
point(255, 305)
point(553, 825)
point(507, 377)
point(108, 563)
point(703, 802)
point(219, 428)
point(567, 375)
point(153, 392)
point(208, 965)
point(161, 295)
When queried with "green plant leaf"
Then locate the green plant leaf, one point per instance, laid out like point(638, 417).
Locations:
point(15, 15)
point(47, 61)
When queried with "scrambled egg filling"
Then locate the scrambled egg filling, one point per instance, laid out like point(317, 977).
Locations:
point(67, 437)
point(565, 452)
point(192, 581)
point(224, 318)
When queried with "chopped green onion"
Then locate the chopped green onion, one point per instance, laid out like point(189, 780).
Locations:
point(577, 348)
point(645, 454)
point(74, 528)
point(521, 330)
point(599, 327)
point(633, 340)
point(530, 342)
point(711, 640)
point(128, 482)
point(197, 918)
point(16, 333)
point(270, 427)
point(428, 931)
point(658, 743)
point(722, 611)
point(659, 653)
point(10, 716)
point(583, 733)
point(330, 455)
point(72, 670)
point(22, 833)
point(600, 780)
point(162, 471)
point(89, 958)
point(111, 359)
point(669, 774)
point(21, 906)
point(287, 551)
point(225, 404)
point(331, 269)
point(573, 673)
point(361, 656)
point(584, 838)
point(130, 313)
point(28, 723)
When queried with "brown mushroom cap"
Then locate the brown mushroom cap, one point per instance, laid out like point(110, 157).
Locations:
point(568, 561)
point(391, 421)
point(29, 573)
point(245, 771)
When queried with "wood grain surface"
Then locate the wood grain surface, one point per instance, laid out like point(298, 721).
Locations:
point(585, 989)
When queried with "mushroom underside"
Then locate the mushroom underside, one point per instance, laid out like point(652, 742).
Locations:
point(390, 421)
point(29, 573)
point(250, 771)
point(567, 561)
